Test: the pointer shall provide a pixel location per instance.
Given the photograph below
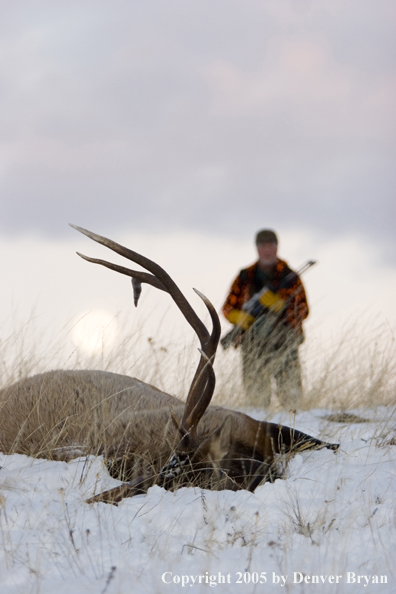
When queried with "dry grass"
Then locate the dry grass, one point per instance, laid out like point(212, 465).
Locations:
point(159, 360)
point(357, 373)
point(357, 370)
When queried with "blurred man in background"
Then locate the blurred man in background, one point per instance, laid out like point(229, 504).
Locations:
point(267, 304)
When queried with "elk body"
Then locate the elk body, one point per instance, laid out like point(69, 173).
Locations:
point(146, 436)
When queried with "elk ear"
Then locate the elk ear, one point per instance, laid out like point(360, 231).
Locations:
point(219, 442)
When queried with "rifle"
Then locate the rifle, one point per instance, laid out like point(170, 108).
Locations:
point(254, 308)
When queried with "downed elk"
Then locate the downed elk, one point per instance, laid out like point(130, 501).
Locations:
point(146, 436)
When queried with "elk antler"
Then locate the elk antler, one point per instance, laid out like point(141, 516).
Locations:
point(203, 384)
point(204, 381)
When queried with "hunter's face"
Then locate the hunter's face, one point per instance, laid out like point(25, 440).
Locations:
point(267, 253)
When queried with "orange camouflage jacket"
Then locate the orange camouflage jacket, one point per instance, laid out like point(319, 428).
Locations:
point(291, 289)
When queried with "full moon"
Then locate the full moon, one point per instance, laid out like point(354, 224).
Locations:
point(94, 331)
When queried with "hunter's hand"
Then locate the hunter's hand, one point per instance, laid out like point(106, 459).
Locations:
point(242, 319)
point(272, 301)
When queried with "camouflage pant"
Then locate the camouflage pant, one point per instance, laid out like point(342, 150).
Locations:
point(269, 352)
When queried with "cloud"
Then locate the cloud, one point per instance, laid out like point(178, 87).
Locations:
point(211, 117)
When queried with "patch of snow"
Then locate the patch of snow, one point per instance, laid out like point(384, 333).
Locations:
point(333, 514)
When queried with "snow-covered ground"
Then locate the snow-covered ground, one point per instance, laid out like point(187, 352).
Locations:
point(333, 516)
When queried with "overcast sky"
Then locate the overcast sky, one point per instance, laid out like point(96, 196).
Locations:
point(215, 116)
point(180, 128)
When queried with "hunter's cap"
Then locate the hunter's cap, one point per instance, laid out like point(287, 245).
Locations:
point(266, 236)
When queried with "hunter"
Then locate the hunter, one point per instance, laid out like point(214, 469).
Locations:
point(267, 304)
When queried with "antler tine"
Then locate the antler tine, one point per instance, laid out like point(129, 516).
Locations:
point(136, 275)
point(203, 384)
point(214, 338)
point(169, 284)
point(200, 395)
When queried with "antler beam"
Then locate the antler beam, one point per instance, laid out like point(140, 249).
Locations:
point(203, 384)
